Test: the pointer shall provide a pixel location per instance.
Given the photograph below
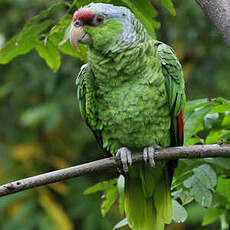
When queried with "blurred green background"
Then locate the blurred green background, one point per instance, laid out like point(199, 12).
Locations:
point(41, 129)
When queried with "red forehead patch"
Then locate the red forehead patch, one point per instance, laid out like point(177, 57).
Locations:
point(83, 15)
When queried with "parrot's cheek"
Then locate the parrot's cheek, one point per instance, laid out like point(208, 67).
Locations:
point(78, 34)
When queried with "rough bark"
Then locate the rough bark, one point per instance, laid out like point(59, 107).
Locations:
point(219, 13)
point(96, 167)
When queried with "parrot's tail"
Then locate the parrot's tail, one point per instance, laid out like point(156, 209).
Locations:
point(148, 203)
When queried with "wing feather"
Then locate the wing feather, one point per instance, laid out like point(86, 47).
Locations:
point(87, 102)
point(174, 81)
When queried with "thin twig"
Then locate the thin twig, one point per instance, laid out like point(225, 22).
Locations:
point(96, 167)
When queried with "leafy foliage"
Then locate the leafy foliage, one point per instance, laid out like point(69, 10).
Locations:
point(26, 40)
point(179, 212)
point(41, 130)
point(49, 52)
point(168, 4)
point(36, 33)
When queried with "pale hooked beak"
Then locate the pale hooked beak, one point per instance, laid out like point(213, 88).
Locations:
point(78, 34)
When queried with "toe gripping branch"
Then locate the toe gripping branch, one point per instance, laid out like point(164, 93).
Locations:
point(126, 158)
point(148, 155)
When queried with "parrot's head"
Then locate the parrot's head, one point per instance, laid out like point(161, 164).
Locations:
point(104, 27)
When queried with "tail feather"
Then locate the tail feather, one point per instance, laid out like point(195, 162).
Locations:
point(163, 203)
point(140, 211)
point(148, 207)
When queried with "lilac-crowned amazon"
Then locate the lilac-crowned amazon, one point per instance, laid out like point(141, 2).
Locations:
point(131, 95)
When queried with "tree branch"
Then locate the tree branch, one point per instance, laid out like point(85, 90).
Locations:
point(219, 13)
point(95, 167)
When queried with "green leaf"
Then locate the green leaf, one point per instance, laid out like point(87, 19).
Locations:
point(145, 12)
point(194, 140)
point(189, 182)
point(210, 120)
point(23, 42)
point(168, 4)
point(26, 40)
point(206, 175)
point(48, 51)
point(101, 186)
point(184, 196)
point(121, 224)
point(203, 179)
point(220, 201)
point(179, 212)
point(195, 121)
point(44, 14)
point(110, 198)
point(61, 25)
point(220, 108)
point(216, 135)
point(221, 162)
point(223, 187)
point(211, 215)
point(194, 104)
point(201, 194)
point(226, 121)
point(223, 101)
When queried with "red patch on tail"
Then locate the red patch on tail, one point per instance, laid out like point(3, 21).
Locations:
point(181, 127)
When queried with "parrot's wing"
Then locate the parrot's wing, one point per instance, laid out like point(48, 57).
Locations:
point(81, 90)
point(174, 81)
point(86, 97)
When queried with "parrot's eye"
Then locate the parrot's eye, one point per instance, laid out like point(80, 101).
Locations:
point(99, 19)
point(78, 23)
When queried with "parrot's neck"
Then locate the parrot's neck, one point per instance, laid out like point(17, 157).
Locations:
point(132, 35)
point(115, 68)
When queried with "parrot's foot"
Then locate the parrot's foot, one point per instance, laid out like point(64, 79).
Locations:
point(149, 154)
point(126, 158)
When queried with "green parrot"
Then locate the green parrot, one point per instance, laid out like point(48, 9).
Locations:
point(131, 95)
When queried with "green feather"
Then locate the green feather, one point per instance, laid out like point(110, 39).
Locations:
point(105, 35)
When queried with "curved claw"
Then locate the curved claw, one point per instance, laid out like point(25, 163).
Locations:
point(148, 155)
point(126, 158)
